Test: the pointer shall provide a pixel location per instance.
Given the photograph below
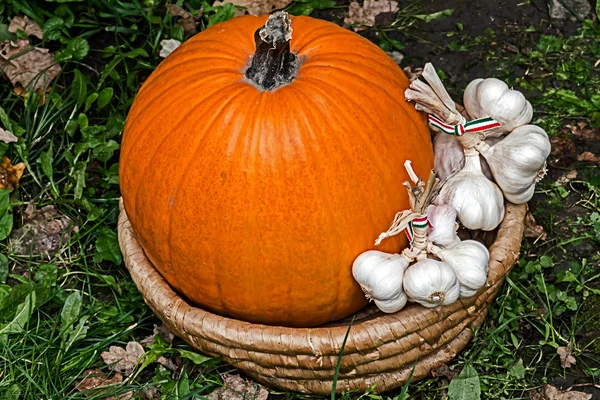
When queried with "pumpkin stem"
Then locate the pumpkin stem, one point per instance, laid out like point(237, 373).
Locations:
point(273, 65)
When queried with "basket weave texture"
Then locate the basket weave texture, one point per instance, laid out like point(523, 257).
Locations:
point(381, 349)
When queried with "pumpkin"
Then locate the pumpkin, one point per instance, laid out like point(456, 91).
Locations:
point(255, 169)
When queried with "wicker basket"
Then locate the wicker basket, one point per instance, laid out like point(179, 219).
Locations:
point(381, 349)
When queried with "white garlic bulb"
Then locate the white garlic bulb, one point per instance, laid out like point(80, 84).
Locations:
point(449, 156)
point(443, 226)
point(431, 283)
point(380, 276)
point(493, 98)
point(517, 161)
point(469, 259)
point(477, 200)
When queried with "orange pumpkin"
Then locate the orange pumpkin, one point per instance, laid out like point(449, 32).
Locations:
point(253, 195)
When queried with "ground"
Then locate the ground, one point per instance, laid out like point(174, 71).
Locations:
point(66, 298)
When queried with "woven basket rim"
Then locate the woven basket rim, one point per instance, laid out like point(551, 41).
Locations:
point(380, 346)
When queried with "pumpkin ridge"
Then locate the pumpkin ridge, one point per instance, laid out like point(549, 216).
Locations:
point(144, 104)
point(307, 37)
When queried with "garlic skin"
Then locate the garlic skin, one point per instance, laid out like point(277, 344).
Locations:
point(478, 201)
point(493, 98)
point(449, 156)
point(517, 161)
point(431, 283)
point(442, 231)
point(469, 260)
point(380, 276)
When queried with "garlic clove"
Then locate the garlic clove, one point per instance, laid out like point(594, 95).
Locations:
point(450, 158)
point(478, 201)
point(517, 160)
point(392, 305)
point(431, 283)
point(442, 230)
point(493, 98)
point(469, 259)
point(379, 274)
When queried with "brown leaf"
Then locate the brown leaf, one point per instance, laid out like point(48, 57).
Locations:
point(566, 178)
point(163, 331)
point(445, 371)
point(413, 73)
point(43, 231)
point(125, 359)
point(96, 383)
point(31, 28)
point(588, 156)
point(10, 174)
point(177, 11)
point(562, 146)
point(364, 16)
point(532, 229)
point(255, 7)
point(549, 392)
point(566, 356)
point(32, 67)
point(7, 137)
point(236, 388)
point(187, 21)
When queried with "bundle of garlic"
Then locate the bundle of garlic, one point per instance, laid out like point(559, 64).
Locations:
point(392, 279)
point(516, 163)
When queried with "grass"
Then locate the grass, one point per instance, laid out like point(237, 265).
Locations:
point(58, 313)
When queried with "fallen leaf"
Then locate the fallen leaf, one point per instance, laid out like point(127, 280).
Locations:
point(364, 16)
point(549, 392)
point(177, 11)
point(396, 56)
point(588, 156)
point(566, 178)
point(10, 174)
point(532, 229)
point(187, 21)
point(562, 146)
point(413, 73)
point(43, 231)
point(7, 137)
point(566, 356)
point(31, 28)
point(95, 382)
point(167, 46)
point(33, 67)
point(125, 359)
point(255, 7)
point(444, 371)
point(163, 331)
point(237, 388)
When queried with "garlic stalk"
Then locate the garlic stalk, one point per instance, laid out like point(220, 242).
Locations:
point(442, 231)
point(493, 98)
point(380, 277)
point(431, 283)
point(450, 158)
point(518, 161)
point(469, 259)
point(477, 200)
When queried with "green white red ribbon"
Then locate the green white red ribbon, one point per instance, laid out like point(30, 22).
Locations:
point(477, 125)
point(419, 222)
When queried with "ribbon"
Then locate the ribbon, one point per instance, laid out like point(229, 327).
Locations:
point(477, 125)
point(419, 222)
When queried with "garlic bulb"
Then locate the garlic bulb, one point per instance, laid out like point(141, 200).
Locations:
point(477, 200)
point(431, 283)
point(493, 98)
point(449, 156)
point(518, 161)
point(380, 276)
point(442, 230)
point(469, 259)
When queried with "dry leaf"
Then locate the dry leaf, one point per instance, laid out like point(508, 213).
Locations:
point(532, 229)
point(413, 73)
point(125, 359)
point(236, 388)
point(562, 146)
point(549, 392)
point(43, 231)
point(445, 371)
point(31, 28)
point(177, 11)
point(255, 7)
point(566, 178)
point(588, 157)
point(10, 174)
point(163, 331)
point(95, 382)
point(167, 46)
point(365, 15)
point(187, 21)
point(33, 67)
point(396, 56)
point(566, 356)
point(7, 137)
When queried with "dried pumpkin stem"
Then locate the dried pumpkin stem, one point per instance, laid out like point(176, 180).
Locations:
point(273, 64)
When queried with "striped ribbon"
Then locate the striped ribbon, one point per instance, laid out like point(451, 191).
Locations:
point(477, 125)
point(419, 222)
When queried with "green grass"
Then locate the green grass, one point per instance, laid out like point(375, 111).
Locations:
point(58, 313)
